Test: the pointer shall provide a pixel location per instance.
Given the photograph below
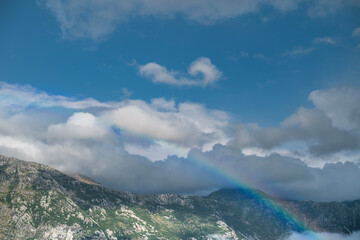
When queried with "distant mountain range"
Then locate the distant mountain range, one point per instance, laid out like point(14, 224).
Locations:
point(39, 202)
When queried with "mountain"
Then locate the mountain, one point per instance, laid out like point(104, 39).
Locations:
point(39, 202)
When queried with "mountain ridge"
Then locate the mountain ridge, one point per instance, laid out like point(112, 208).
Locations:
point(40, 202)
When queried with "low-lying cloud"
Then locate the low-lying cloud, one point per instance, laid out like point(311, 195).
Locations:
point(120, 143)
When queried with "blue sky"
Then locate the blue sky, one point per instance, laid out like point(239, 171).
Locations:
point(258, 81)
point(246, 82)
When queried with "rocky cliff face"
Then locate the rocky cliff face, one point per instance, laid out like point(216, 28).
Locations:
point(39, 202)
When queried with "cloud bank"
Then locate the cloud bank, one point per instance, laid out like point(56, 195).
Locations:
point(313, 154)
point(330, 129)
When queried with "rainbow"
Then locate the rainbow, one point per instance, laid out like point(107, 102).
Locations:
point(200, 158)
point(281, 212)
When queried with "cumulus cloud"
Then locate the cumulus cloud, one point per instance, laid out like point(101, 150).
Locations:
point(185, 124)
point(209, 74)
point(324, 236)
point(120, 144)
point(331, 127)
point(190, 125)
point(317, 125)
point(79, 126)
point(97, 19)
point(340, 105)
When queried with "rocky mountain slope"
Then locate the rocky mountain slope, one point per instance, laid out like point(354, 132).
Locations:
point(39, 202)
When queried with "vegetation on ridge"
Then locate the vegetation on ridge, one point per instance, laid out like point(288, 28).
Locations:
point(38, 202)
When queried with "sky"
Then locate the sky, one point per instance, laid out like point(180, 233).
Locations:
point(184, 96)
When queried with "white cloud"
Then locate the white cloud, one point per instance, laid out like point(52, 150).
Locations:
point(298, 50)
point(189, 125)
point(322, 8)
point(89, 143)
point(329, 129)
point(340, 105)
point(109, 144)
point(109, 163)
point(219, 237)
point(209, 121)
point(158, 151)
point(161, 120)
point(324, 40)
point(356, 32)
point(209, 74)
point(79, 126)
point(204, 67)
point(25, 95)
point(159, 74)
point(143, 120)
point(261, 56)
point(88, 19)
point(163, 104)
point(126, 92)
point(23, 148)
point(323, 236)
point(97, 19)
